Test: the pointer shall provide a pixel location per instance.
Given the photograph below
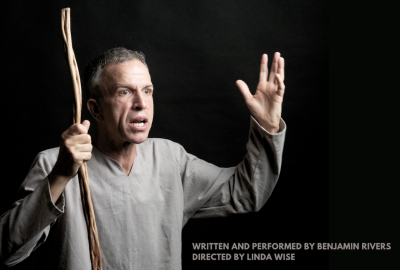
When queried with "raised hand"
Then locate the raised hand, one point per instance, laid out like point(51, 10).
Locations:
point(75, 148)
point(266, 104)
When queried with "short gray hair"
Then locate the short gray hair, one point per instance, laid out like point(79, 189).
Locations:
point(94, 69)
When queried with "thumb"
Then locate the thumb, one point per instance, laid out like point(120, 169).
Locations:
point(86, 123)
point(244, 89)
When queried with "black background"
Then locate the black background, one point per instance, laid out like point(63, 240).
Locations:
point(196, 50)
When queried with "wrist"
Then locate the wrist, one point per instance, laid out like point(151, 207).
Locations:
point(55, 178)
point(57, 184)
point(272, 129)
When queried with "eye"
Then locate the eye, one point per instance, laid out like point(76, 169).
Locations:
point(147, 91)
point(124, 92)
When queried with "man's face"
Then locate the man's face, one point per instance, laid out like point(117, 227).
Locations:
point(127, 106)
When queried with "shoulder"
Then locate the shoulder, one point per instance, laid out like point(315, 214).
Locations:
point(40, 168)
point(50, 152)
point(48, 156)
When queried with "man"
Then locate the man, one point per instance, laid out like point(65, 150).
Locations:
point(143, 190)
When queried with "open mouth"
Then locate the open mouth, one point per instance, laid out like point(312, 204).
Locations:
point(139, 121)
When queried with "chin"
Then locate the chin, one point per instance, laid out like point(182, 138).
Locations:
point(139, 138)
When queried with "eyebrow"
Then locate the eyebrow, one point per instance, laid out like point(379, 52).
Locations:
point(128, 86)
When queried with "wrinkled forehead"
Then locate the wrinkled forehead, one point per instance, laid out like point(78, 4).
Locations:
point(133, 73)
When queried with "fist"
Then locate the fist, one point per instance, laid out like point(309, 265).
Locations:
point(75, 148)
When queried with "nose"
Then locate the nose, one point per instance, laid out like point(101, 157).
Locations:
point(139, 102)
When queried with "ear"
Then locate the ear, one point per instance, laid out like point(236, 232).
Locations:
point(94, 109)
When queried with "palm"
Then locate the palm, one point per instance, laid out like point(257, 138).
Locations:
point(266, 104)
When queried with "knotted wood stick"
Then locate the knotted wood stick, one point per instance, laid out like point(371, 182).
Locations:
point(94, 244)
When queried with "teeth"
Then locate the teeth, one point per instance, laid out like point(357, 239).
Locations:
point(138, 124)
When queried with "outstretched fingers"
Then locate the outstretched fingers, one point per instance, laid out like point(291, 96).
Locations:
point(274, 67)
point(281, 68)
point(281, 85)
point(264, 68)
point(244, 89)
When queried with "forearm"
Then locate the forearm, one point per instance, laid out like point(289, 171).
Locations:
point(258, 173)
point(27, 225)
point(211, 191)
point(57, 185)
point(271, 129)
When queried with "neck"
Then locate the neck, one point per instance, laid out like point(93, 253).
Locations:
point(123, 152)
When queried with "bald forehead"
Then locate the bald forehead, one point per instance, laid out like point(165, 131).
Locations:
point(133, 73)
point(133, 67)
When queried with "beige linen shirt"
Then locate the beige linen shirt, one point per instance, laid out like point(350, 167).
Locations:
point(139, 216)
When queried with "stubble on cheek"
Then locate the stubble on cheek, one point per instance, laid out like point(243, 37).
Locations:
point(123, 126)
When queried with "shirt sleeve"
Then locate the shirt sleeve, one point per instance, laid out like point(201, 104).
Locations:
point(27, 225)
point(211, 191)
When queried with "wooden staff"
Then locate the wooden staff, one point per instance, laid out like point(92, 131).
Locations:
point(94, 244)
